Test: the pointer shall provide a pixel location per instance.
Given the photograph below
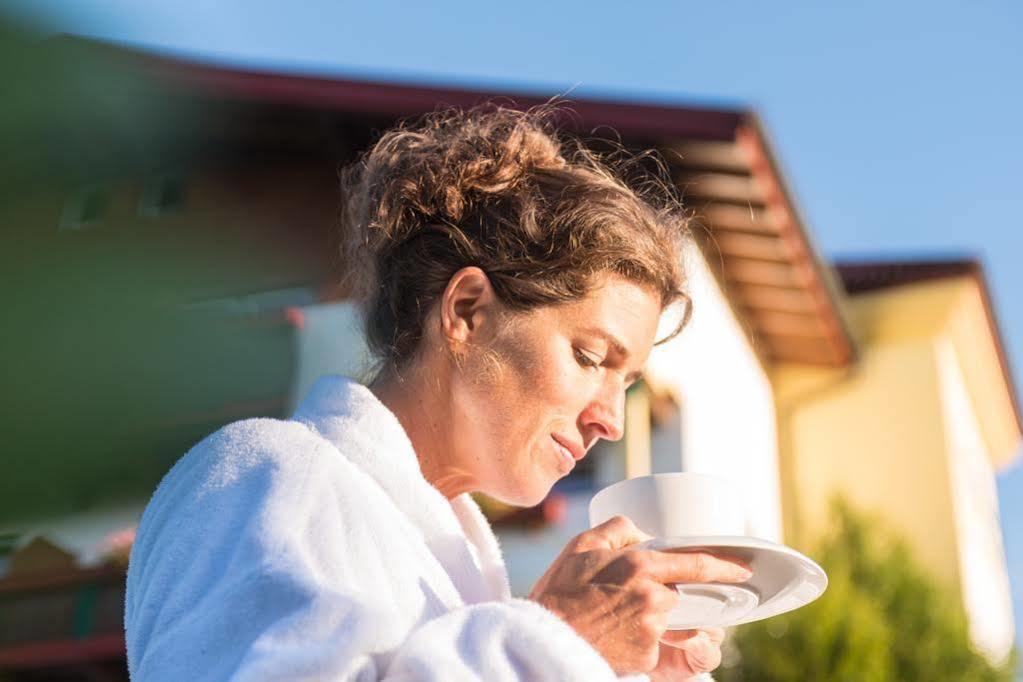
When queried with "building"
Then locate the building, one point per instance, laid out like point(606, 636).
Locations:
point(915, 430)
point(174, 258)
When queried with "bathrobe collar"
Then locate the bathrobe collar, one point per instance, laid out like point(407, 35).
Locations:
point(368, 434)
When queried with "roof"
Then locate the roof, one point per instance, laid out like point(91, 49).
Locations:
point(862, 277)
point(746, 221)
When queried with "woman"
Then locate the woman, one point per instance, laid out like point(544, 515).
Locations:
point(513, 287)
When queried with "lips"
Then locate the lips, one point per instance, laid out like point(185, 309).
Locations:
point(565, 460)
point(573, 450)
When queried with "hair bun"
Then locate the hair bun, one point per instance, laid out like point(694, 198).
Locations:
point(446, 161)
point(498, 189)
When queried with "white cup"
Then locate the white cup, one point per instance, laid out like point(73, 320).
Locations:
point(673, 505)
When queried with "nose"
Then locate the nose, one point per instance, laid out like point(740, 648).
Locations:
point(604, 417)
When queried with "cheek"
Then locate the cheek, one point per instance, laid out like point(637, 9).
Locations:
point(533, 386)
point(505, 383)
point(511, 401)
point(539, 381)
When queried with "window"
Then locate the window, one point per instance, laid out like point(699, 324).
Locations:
point(86, 208)
point(163, 194)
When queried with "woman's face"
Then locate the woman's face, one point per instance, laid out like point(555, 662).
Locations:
point(534, 398)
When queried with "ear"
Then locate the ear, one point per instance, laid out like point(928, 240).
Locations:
point(467, 307)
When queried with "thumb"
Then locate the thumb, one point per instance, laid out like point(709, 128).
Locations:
point(615, 533)
point(677, 638)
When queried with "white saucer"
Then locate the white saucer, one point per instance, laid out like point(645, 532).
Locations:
point(783, 580)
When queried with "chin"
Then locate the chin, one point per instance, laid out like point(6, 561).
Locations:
point(528, 494)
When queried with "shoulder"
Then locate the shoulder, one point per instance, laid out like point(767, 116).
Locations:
point(257, 511)
point(255, 444)
point(252, 460)
point(249, 444)
point(260, 437)
point(259, 479)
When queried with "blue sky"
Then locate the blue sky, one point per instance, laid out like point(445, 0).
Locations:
point(900, 124)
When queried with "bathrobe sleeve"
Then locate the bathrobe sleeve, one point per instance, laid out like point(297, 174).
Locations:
point(264, 555)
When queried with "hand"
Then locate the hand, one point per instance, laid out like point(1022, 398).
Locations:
point(616, 598)
point(687, 653)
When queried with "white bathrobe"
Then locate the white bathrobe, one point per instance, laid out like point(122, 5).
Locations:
point(314, 549)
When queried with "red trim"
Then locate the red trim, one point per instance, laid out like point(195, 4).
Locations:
point(295, 317)
point(392, 99)
point(30, 583)
point(62, 652)
point(804, 260)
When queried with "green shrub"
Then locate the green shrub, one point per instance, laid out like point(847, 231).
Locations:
point(882, 619)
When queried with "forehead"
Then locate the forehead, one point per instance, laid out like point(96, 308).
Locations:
point(625, 309)
point(616, 297)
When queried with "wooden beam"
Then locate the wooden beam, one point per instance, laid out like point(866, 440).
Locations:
point(707, 155)
point(771, 322)
point(743, 245)
point(784, 299)
point(719, 216)
point(751, 271)
point(720, 186)
point(780, 207)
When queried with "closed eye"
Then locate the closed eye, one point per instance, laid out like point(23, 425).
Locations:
point(585, 360)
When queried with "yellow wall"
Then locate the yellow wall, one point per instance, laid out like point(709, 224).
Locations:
point(875, 436)
point(875, 432)
point(977, 354)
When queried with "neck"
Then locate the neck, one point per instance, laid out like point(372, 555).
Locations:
point(421, 408)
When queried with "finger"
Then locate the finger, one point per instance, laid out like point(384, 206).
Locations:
point(615, 533)
point(693, 567)
point(702, 654)
point(676, 638)
point(716, 635)
point(660, 598)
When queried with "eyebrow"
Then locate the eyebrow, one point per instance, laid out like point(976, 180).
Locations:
point(618, 347)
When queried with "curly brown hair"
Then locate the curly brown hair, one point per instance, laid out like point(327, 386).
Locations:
point(500, 189)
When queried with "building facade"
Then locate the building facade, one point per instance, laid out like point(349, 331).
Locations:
point(176, 271)
point(915, 431)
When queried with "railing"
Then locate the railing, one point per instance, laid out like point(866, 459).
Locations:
point(62, 619)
